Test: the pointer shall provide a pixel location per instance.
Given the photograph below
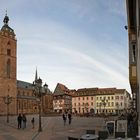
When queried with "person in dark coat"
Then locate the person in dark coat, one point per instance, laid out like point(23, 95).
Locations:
point(69, 117)
point(130, 120)
point(19, 119)
point(33, 122)
point(64, 118)
point(24, 121)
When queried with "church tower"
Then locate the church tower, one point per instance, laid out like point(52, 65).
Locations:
point(8, 66)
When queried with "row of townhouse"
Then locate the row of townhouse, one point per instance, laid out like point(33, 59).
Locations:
point(94, 100)
point(100, 100)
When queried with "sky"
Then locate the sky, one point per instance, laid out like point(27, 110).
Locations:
point(79, 43)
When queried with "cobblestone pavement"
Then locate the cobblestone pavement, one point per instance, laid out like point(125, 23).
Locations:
point(53, 128)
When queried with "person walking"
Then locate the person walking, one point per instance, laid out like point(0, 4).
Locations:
point(24, 121)
point(64, 118)
point(33, 122)
point(129, 120)
point(70, 118)
point(19, 119)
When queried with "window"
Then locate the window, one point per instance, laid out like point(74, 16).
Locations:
point(121, 97)
point(83, 98)
point(79, 98)
point(117, 97)
point(108, 98)
point(8, 68)
point(8, 52)
point(91, 103)
point(108, 103)
point(112, 103)
point(133, 53)
point(18, 92)
point(112, 97)
point(92, 98)
point(87, 98)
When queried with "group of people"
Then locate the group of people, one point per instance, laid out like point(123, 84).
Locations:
point(131, 116)
point(132, 119)
point(65, 116)
point(22, 120)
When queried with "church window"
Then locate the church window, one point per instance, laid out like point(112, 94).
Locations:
point(8, 68)
point(8, 52)
point(8, 43)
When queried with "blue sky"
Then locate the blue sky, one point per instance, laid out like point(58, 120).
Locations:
point(79, 43)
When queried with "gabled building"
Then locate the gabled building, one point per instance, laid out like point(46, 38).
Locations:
point(61, 99)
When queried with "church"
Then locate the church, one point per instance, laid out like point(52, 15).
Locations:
point(16, 96)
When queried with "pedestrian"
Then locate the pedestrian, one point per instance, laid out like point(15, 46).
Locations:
point(33, 122)
point(19, 119)
point(135, 120)
point(70, 118)
point(130, 120)
point(24, 121)
point(64, 118)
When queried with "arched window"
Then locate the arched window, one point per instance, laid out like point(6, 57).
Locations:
point(8, 68)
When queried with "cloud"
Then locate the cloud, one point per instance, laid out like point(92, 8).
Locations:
point(78, 56)
point(65, 55)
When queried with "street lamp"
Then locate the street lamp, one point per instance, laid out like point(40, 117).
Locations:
point(7, 100)
point(117, 106)
point(104, 102)
point(39, 91)
point(100, 104)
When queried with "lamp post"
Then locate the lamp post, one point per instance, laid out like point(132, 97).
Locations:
point(104, 102)
point(100, 104)
point(7, 100)
point(39, 91)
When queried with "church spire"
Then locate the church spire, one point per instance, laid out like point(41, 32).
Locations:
point(36, 77)
point(6, 19)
